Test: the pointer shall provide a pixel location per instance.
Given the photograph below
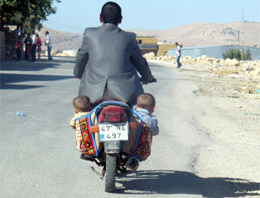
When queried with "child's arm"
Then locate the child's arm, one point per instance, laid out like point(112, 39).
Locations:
point(152, 123)
point(72, 123)
point(153, 126)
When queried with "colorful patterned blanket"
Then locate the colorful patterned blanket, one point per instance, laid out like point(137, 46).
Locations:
point(138, 145)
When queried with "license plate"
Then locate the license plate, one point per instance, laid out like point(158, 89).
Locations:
point(111, 132)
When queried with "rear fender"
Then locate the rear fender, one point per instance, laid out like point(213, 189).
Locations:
point(112, 147)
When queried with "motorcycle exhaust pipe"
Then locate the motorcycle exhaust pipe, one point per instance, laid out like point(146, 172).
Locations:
point(132, 163)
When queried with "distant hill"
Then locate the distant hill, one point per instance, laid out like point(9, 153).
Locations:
point(62, 40)
point(195, 34)
point(206, 34)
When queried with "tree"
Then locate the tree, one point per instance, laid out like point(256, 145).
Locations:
point(237, 54)
point(248, 55)
point(232, 54)
point(29, 14)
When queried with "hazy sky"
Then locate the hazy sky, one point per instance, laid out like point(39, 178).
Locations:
point(76, 15)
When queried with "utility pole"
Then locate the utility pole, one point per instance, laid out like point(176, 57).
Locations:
point(243, 20)
point(238, 39)
point(238, 42)
point(242, 53)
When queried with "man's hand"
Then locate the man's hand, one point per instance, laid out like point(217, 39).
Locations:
point(78, 78)
point(146, 82)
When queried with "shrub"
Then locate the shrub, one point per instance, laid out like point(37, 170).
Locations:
point(43, 51)
point(237, 54)
point(232, 54)
point(248, 55)
point(58, 51)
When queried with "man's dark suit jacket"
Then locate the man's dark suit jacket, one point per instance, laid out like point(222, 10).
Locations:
point(109, 58)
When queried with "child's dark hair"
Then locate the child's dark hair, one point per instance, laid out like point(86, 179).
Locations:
point(145, 101)
point(82, 103)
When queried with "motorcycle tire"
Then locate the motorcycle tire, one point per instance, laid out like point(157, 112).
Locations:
point(110, 172)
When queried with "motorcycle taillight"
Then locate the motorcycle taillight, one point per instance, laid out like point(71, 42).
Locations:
point(112, 114)
point(113, 117)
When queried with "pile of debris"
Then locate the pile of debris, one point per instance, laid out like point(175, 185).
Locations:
point(247, 73)
point(250, 69)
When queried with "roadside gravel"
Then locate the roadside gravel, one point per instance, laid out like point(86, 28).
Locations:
point(232, 120)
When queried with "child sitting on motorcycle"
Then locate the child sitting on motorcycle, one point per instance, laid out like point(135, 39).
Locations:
point(82, 107)
point(144, 108)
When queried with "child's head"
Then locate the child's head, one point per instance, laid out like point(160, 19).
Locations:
point(82, 104)
point(146, 101)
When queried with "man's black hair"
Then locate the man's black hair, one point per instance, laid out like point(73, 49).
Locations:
point(111, 13)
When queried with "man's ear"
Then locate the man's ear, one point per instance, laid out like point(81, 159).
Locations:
point(120, 20)
point(101, 19)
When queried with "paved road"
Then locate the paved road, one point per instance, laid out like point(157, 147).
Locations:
point(38, 154)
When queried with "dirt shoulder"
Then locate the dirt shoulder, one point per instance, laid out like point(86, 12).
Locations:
point(233, 122)
point(232, 118)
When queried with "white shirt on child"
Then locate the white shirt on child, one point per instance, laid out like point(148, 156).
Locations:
point(149, 119)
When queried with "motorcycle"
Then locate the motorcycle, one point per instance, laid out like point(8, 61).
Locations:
point(114, 137)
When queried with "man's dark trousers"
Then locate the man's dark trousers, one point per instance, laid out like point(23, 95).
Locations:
point(33, 52)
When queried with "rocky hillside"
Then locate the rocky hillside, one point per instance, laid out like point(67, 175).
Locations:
point(62, 40)
point(205, 34)
point(196, 34)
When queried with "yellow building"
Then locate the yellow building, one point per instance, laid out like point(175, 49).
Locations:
point(163, 49)
point(149, 44)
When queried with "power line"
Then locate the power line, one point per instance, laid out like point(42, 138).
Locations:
point(65, 25)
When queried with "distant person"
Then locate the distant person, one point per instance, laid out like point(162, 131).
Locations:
point(38, 46)
point(48, 43)
point(19, 32)
point(33, 46)
point(18, 48)
point(28, 47)
point(108, 60)
point(144, 108)
point(178, 54)
point(82, 107)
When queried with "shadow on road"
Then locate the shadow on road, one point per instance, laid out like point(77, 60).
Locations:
point(9, 80)
point(26, 66)
point(178, 182)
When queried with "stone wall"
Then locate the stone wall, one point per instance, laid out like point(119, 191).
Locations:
point(2, 46)
point(10, 39)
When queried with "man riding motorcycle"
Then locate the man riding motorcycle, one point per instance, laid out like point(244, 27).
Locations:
point(112, 135)
point(109, 59)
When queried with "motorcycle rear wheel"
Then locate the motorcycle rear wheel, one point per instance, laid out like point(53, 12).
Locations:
point(110, 172)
